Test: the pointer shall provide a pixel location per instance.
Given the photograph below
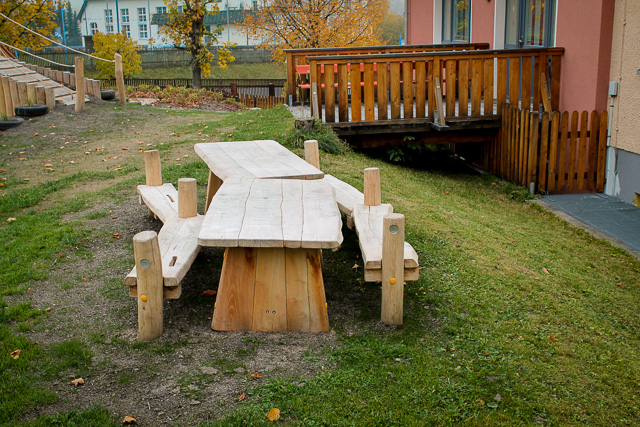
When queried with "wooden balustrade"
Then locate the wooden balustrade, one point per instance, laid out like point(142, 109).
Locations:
point(402, 86)
point(295, 57)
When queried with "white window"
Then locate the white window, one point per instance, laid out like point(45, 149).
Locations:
point(127, 29)
point(124, 14)
point(161, 10)
point(93, 28)
point(142, 14)
point(108, 21)
point(142, 31)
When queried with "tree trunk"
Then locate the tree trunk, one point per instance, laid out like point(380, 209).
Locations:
point(196, 81)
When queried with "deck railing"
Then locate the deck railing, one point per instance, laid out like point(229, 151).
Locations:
point(402, 86)
point(297, 57)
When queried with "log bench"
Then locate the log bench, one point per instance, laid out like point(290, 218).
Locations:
point(164, 259)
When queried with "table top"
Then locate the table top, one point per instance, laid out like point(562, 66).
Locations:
point(271, 213)
point(254, 159)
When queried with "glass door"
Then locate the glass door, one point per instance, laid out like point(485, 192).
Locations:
point(530, 23)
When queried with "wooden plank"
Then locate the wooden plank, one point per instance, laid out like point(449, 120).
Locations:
point(502, 82)
point(450, 87)
point(262, 223)
point(270, 293)
point(407, 89)
point(321, 221)
point(356, 93)
point(214, 183)
point(383, 89)
point(234, 302)
point(526, 137)
point(544, 150)
point(330, 95)
point(297, 290)
point(392, 270)
point(546, 100)
point(421, 88)
point(582, 150)
point(602, 152)
point(573, 146)
point(463, 88)
point(223, 221)
point(162, 200)
point(292, 220)
point(536, 84)
point(526, 82)
point(369, 93)
point(394, 89)
point(318, 318)
point(488, 87)
point(593, 151)
point(553, 152)
point(514, 81)
point(431, 91)
point(554, 90)
point(533, 151)
point(319, 79)
point(147, 255)
point(343, 93)
point(476, 86)
point(347, 196)
point(562, 157)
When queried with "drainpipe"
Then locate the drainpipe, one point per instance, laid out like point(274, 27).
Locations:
point(612, 153)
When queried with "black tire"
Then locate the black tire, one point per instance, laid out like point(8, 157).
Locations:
point(11, 122)
point(34, 110)
point(108, 95)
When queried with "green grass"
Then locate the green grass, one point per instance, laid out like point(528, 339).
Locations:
point(233, 71)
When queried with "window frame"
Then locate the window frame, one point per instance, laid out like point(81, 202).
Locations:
point(108, 21)
point(124, 14)
point(143, 29)
point(549, 36)
point(448, 35)
point(142, 14)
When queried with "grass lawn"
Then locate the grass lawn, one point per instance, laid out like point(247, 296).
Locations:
point(518, 318)
point(271, 70)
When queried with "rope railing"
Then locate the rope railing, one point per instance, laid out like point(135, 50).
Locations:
point(53, 41)
point(36, 56)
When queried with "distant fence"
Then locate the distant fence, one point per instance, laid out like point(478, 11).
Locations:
point(557, 152)
point(264, 102)
point(150, 58)
point(258, 87)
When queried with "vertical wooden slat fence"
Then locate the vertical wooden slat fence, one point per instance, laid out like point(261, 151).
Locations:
point(474, 84)
point(557, 152)
point(264, 102)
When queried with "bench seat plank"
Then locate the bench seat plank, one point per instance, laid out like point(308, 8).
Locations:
point(178, 242)
point(162, 200)
point(347, 196)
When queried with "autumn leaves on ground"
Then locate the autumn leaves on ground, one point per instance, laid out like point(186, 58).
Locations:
point(517, 319)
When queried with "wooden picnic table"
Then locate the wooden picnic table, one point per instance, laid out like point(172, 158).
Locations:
point(252, 159)
point(274, 231)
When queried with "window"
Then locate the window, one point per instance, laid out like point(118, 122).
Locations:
point(124, 14)
point(254, 4)
point(456, 20)
point(530, 23)
point(108, 21)
point(161, 10)
point(142, 31)
point(142, 14)
point(93, 28)
point(127, 29)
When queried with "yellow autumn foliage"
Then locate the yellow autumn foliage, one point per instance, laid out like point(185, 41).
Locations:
point(37, 15)
point(107, 45)
point(285, 24)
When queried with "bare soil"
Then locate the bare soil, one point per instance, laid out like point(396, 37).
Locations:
point(192, 374)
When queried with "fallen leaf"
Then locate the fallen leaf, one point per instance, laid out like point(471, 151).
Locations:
point(617, 284)
point(545, 270)
point(61, 255)
point(446, 192)
point(274, 414)
point(15, 354)
point(355, 267)
point(492, 405)
point(256, 375)
point(27, 179)
point(47, 309)
point(48, 165)
point(512, 239)
point(241, 397)
point(448, 213)
point(36, 134)
point(116, 235)
point(10, 219)
point(77, 382)
point(84, 279)
point(209, 293)
point(125, 148)
point(481, 402)
point(129, 420)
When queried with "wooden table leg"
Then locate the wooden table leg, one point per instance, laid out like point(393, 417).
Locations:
point(271, 289)
point(212, 188)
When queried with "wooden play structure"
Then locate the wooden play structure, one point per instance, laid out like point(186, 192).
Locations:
point(274, 213)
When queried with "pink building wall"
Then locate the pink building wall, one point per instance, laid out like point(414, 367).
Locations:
point(584, 32)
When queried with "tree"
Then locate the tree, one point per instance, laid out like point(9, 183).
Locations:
point(37, 15)
point(391, 28)
point(107, 45)
point(71, 26)
point(284, 24)
point(186, 28)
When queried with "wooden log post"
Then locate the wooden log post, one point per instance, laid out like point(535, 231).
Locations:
point(372, 192)
point(72, 81)
point(22, 93)
point(120, 79)
point(392, 269)
point(50, 97)
point(152, 167)
point(187, 197)
point(15, 100)
point(41, 95)
point(312, 153)
point(212, 188)
point(79, 84)
point(96, 88)
point(31, 93)
point(8, 103)
point(3, 107)
point(66, 78)
point(150, 285)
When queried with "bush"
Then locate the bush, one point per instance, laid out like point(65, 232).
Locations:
point(328, 141)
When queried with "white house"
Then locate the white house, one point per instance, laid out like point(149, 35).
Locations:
point(135, 17)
